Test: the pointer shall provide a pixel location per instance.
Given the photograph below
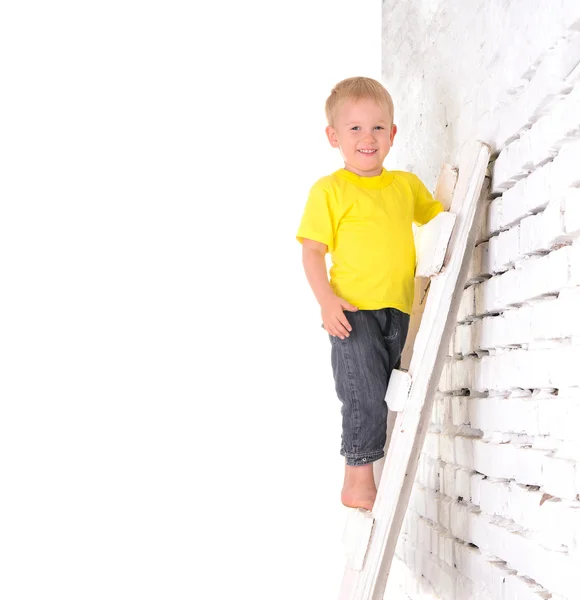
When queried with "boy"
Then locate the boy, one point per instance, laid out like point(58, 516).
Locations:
point(363, 215)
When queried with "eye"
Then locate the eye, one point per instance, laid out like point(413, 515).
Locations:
point(355, 128)
point(379, 127)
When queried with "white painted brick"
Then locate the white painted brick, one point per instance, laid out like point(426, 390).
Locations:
point(571, 211)
point(462, 373)
point(549, 368)
point(531, 279)
point(507, 461)
point(494, 220)
point(563, 366)
point(459, 519)
point(547, 320)
point(553, 570)
point(463, 484)
point(444, 516)
point(494, 497)
point(479, 267)
point(559, 416)
point(552, 272)
point(512, 370)
point(447, 448)
point(574, 263)
point(518, 588)
point(529, 196)
point(565, 166)
point(545, 231)
point(483, 225)
point(527, 318)
point(559, 477)
point(516, 328)
point(510, 415)
point(445, 383)
point(531, 234)
point(459, 412)
point(504, 250)
point(431, 446)
point(463, 342)
point(476, 481)
point(448, 487)
point(467, 306)
point(553, 523)
point(464, 452)
point(418, 500)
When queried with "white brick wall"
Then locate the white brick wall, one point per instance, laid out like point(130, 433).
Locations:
point(495, 512)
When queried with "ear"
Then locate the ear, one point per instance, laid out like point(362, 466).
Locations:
point(393, 133)
point(331, 135)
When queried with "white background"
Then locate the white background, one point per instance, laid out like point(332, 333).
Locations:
point(168, 424)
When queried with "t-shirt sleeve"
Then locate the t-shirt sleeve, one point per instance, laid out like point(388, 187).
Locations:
point(426, 207)
point(318, 220)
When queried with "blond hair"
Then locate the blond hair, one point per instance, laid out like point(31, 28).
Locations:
point(357, 88)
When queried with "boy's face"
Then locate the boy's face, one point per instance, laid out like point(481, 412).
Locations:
point(364, 133)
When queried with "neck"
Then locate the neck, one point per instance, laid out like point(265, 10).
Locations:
point(373, 173)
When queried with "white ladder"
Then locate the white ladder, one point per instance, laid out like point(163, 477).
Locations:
point(371, 538)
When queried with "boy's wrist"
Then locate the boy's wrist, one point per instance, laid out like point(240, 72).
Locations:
point(326, 296)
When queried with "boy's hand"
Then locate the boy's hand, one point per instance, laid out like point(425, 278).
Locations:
point(333, 318)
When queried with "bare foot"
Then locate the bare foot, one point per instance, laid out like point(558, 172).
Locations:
point(359, 489)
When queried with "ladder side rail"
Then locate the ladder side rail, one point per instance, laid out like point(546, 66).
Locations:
point(427, 363)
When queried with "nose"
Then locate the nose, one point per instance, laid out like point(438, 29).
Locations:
point(370, 136)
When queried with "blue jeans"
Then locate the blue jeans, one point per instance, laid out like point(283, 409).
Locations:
point(362, 364)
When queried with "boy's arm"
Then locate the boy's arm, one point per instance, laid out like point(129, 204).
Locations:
point(426, 207)
point(332, 307)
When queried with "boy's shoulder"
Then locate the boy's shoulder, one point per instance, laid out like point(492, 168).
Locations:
point(327, 185)
point(405, 176)
point(326, 181)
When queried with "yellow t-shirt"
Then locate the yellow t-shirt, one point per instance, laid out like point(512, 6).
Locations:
point(366, 222)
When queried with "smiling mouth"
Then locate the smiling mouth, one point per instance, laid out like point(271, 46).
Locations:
point(367, 152)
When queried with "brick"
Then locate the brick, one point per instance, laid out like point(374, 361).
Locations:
point(522, 310)
point(459, 519)
point(552, 570)
point(463, 342)
point(459, 412)
point(559, 416)
point(563, 365)
point(444, 512)
point(571, 212)
point(448, 487)
point(467, 306)
point(574, 264)
point(547, 320)
point(559, 477)
point(545, 231)
point(564, 168)
point(529, 196)
point(518, 588)
point(509, 415)
point(483, 225)
point(494, 497)
point(507, 461)
point(464, 452)
point(494, 221)
point(531, 279)
point(463, 484)
point(479, 267)
point(504, 250)
point(447, 448)
point(476, 481)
